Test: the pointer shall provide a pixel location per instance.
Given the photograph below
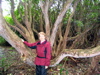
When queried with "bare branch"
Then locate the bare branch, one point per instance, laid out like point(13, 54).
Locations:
point(16, 28)
point(30, 12)
point(41, 22)
point(15, 20)
point(19, 8)
point(27, 22)
point(28, 25)
point(45, 6)
point(77, 53)
point(35, 30)
point(58, 20)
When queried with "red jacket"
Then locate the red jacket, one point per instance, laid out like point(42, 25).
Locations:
point(43, 51)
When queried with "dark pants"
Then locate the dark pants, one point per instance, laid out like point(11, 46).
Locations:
point(40, 70)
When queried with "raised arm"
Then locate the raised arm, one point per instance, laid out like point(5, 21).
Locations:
point(31, 45)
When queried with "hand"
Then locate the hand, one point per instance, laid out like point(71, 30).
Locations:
point(22, 40)
point(46, 67)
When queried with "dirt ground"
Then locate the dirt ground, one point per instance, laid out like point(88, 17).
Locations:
point(12, 65)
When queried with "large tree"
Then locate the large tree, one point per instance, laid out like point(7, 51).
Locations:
point(66, 30)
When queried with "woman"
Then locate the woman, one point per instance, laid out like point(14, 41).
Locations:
point(43, 50)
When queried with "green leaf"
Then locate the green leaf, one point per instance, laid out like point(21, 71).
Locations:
point(79, 23)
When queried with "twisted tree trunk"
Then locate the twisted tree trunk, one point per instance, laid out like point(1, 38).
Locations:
point(16, 42)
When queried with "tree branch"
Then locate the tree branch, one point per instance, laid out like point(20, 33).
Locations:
point(16, 28)
point(76, 53)
point(28, 25)
point(45, 6)
point(58, 20)
point(41, 22)
point(0, 6)
point(20, 3)
point(68, 25)
point(15, 20)
point(30, 12)
point(81, 34)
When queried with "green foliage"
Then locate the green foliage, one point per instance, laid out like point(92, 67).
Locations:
point(9, 19)
point(2, 41)
point(67, 17)
point(18, 15)
point(4, 64)
point(5, 59)
point(66, 72)
point(79, 23)
point(93, 16)
point(35, 1)
point(61, 70)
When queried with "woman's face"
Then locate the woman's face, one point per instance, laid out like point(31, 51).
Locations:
point(41, 37)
